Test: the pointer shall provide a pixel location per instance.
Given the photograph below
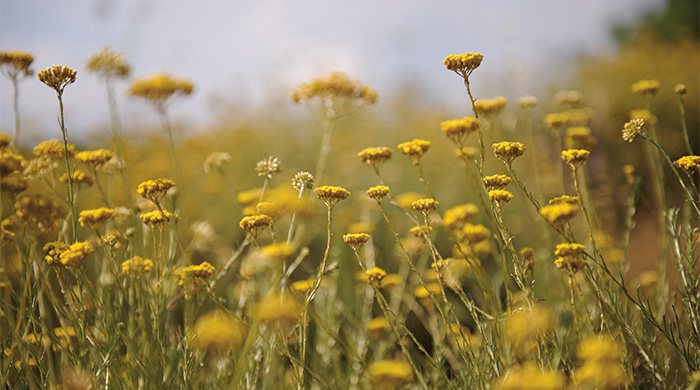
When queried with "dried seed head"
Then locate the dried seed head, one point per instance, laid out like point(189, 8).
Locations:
point(680, 89)
point(268, 166)
point(57, 77)
point(527, 102)
point(108, 63)
point(216, 160)
point(303, 181)
point(632, 129)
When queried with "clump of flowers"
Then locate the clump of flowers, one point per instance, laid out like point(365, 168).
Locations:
point(57, 77)
point(218, 331)
point(390, 374)
point(331, 195)
point(527, 102)
point(645, 87)
point(254, 224)
point(94, 158)
point(569, 97)
point(216, 160)
point(355, 240)
point(500, 197)
point(425, 206)
point(632, 129)
point(39, 212)
point(95, 218)
point(575, 157)
point(53, 150)
point(335, 85)
point(474, 233)
point(158, 217)
point(160, 87)
point(526, 327)
point(535, 378)
point(457, 129)
point(490, 107)
point(108, 63)
point(378, 192)
point(375, 276)
point(155, 190)
point(276, 308)
point(15, 63)
point(496, 182)
point(565, 199)
point(80, 178)
point(303, 180)
point(569, 257)
point(268, 166)
point(415, 149)
point(192, 278)
point(602, 363)
point(375, 156)
point(559, 214)
point(508, 151)
point(13, 184)
point(579, 137)
point(556, 120)
point(137, 264)
point(643, 114)
point(53, 252)
point(688, 164)
point(457, 216)
point(463, 64)
point(11, 163)
point(75, 254)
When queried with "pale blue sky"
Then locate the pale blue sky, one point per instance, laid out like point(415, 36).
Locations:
point(256, 50)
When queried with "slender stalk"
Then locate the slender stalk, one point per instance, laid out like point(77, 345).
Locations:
point(69, 184)
point(15, 100)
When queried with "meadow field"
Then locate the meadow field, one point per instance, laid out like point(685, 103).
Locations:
point(544, 242)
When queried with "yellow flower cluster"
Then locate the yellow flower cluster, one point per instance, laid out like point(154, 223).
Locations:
point(191, 278)
point(94, 157)
point(423, 293)
point(254, 224)
point(249, 197)
point(57, 77)
point(355, 240)
point(526, 326)
point(574, 117)
point(39, 212)
point(575, 157)
point(279, 251)
point(79, 178)
point(569, 249)
point(216, 160)
point(5, 140)
point(137, 264)
point(375, 276)
point(53, 252)
point(390, 374)
point(570, 97)
point(645, 87)
point(157, 217)
point(159, 87)
point(375, 156)
point(632, 129)
point(527, 102)
point(376, 327)
point(490, 107)
point(335, 85)
point(8, 226)
point(456, 129)
point(13, 63)
point(560, 213)
point(331, 195)
point(275, 307)
point(500, 197)
point(13, 184)
point(457, 216)
point(11, 162)
point(53, 150)
point(688, 164)
point(579, 137)
point(415, 148)
point(421, 231)
point(75, 254)
point(496, 182)
point(569, 257)
point(602, 363)
point(565, 199)
point(643, 114)
point(94, 218)
point(271, 209)
point(463, 64)
point(531, 377)
point(378, 192)
point(108, 63)
point(218, 331)
point(426, 205)
point(155, 190)
point(508, 151)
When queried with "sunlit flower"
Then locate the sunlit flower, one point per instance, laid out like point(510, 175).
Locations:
point(331, 195)
point(508, 151)
point(218, 331)
point(94, 158)
point(159, 87)
point(375, 156)
point(425, 206)
point(95, 218)
point(490, 107)
point(632, 129)
point(559, 214)
point(155, 190)
point(75, 254)
point(457, 216)
point(688, 164)
point(414, 149)
point(645, 87)
point(157, 217)
point(254, 224)
point(137, 264)
point(355, 240)
point(375, 276)
point(108, 63)
point(575, 157)
point(456, 129)
point(390, 374)
point(79, 178)
point(335, 85)
point(57, 77)
point(463, 64)
point(496, 182)
point(500, 197)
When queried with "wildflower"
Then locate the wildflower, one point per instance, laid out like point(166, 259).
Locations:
point(645, 115)
point(53, 252)
point(335, 85)
point(375, 276)
point(467, 151)
point(602, 363)
point(13, 184)
point(527, 102)
point(271, 209)
point(75, 253)
point(13, 63)
point(218, 331)
point(302, 286)
point(556, 120)
point(528, 255)
point(157, 217)
point(406, 199)
point(267, 166)
point(255, 224)
point(275, 308)
point(108, 63)
point(159, 87)
point(645, 87)
point(94, 158)
point(331, 195)
point(531, 377)
point(191, 278)
point(415, 148)
point(456, 129)
point(570, 263)
point(496, 182)
point(632, 129)
point(216, 160)
point(526, 326)
point(463, 64)
point(94, 218)
point(39, 212)
point(424, 292)
point(570, 97)
point(421, 231)
point(490, 107)
point(457, 216)
point(113, 238)
point(249, 197)
point(155, 190)
point(360, 227)
point(303, 180)
point(57, 77)
point(680, 89)
point(391, 280)
point(5, 140)
point(508, 151)
point(278, 251)
point(569, 249)
point(500, 197)
point(79, 178)
point(390, 374)
point(474, 233)
point(39, 167)
point(688, 164)
point(378, 192)
point(575, 157)
point(559, 214)
point(565, 199)
point(375, 156)
point(355, 240)
point(11, 162)
point(376, 327)
point(53, 150)
point(425, 206)
point(137, 264)
point(579, 137)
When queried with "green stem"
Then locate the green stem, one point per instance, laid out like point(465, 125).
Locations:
point(69, 184)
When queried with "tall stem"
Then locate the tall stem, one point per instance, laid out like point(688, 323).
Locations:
point(69, 173)
point(15, 99)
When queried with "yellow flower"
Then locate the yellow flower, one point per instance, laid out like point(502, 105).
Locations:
point(422, 293)
point(425, 206)
point(579, 137)
point(490, 107)
point(644, 115)
point(602, 363)
point(415, 148)
point(463, 64)
point(527, 102)
point(159, 87)
point(13, 184)
point(254, 224)
point(271, 209)
point(5, 139)
point(530, 377)
point(680, 89)
point(456, 129)
point(356, 240)
point(528, 255)
point(13, 63)
point(570, 264)
point(218, 331)
point(79, 178)
point(496, 182)
point(688, 164)
point(569, 249)
point(275, 307)
point(526, 326)
point(508, 151)
point(94, 158)
point(191, 278)
point(53, 150)
point(556, 120)
point(376, 327)
point(565, 199)
point(457, 216)
point(137, 264)
point(57, 77)
point(249, 197)
point(39, 212)
point(378, 192)
point(216, 160)
point(474, 233)
point(8, 227)
point(632, 129)
point(155, 190)
point(421, 231)
point(559, 214)
point(75, 253)
point(11, 162)
point(331, 195)
point(335, 85)
point(375, 156)
point(302, 286)
point(375, 276)
point(53, 252)
point(156, 217)
point(645, 87)
point(570, 97)
point(95, 218)
point(500, 197)
point(575, 157)
point(108, 63)
point(390, 374)
point(406, 199)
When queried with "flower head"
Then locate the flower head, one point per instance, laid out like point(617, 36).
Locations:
point(378, 192)
point(508, 151)
point(10, 162)
point(426, 205)
point(575, 157)
point(390, 374)
point(53, 252)
point(632, 129)
point(14, 63)
point(456, 129)
point(602, 363)
point(569, 97)
point(500, 197)
point(216, 160)
point(108, 63)
point(218, 331)
point(191, 278)
point(375, 276)
point(57, 77)
point(274, 307)
point(303, 180)
point(39, 212)
point(375, 156)
point(75, 253)
point(490, 107)
point(355, 240)
point(680, 89)
point(53, 150)
point(415, 149)
point(95, 218)
point(643, 114)
point(157, 217)
point(254, 224)
point(457, 216)
point(331, 195)
point(559, 214)
point(527, 102)
point(94, 158)
point(496, 182)
point(463, 64)
point(565, 199)
point(335, 85)
point(268, 166)
point(159, 87)
point(688, 164)
point(79, 178)
point(137, 264)
point(645, 87)
point(556, 120)
point(14, 184)
point(155, 190)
